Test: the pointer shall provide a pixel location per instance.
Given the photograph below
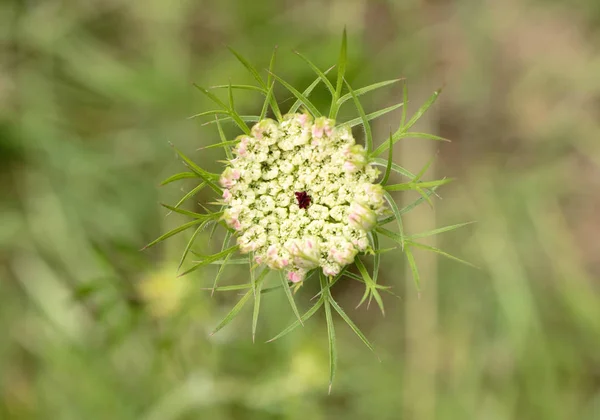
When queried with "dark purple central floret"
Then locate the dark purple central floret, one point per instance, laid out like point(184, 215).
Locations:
point(303, 199)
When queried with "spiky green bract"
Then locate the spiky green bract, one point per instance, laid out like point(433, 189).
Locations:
point(255, 284)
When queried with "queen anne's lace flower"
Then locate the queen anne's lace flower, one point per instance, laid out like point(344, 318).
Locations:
point(301, 195)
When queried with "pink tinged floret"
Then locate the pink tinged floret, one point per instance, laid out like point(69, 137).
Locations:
point(317, 131)
point(227, 196)
point(294, 277)
point(302, 119)
point(229, 177)
point(362, 217)
point(330, 271)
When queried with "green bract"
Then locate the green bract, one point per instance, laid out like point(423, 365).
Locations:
point(322, 256)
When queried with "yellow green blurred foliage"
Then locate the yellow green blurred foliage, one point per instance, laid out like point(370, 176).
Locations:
point(91, 94)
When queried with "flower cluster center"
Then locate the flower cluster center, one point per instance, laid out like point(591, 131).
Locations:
point(336, 200)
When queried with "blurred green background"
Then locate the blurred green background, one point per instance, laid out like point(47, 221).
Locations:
point(91, 92)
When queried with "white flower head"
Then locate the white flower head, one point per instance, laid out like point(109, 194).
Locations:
point(301, 195)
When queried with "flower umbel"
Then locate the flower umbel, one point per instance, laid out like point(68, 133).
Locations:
point(301, 197)
point(300, 194)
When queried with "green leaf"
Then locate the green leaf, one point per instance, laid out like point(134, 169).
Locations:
point(221, 269)
point(303, 99)
point(212, 97)
point(388, 166)
point(423, 170)
point(190, 213)
point(223, 144)
point(413, 135)
point(206, 113)
point(330, 331)
point(402, 132)
point(265, 108)
point(206, 176)
point(230, 96)
point(210, 259)
point(300, 321)
point(413, 185)
point(397, 216)
point(413, 268)
point(377, 257)
point(232, 261)
point(249, 67)
point(229, 110)
point(307, 92)
point(234, 312)
point(177, 177)
point(437, 231)
point(257, 286)
point(319, 73)
point(364, 120)
point(342, 61)
point(405, 98)
point(371, 286)
point(421, 110)
point(351, 324)
point(240, 87)
point(190, 194)
point(271, 83)
point(356, 121)
point(395, 167)
point(408, 208)
point(366, 89)
point(224, 140)
point(245, 118)
point(173, 232)
point(288, 293)
point(191, 242)
point(442, 253)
